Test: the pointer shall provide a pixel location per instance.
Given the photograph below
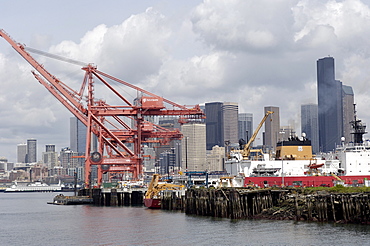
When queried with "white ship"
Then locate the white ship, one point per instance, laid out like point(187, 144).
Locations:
point(294, 164)
point(37, 186)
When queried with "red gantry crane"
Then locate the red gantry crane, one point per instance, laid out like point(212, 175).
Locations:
point(107, 122)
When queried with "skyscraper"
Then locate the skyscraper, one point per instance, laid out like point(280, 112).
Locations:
point(170, 123)
point(31, 150)
point(245, 126)
point(272, 127)
point(77, 135)
point(50, 148)
point(193, 147)
point(221, 123)
point(77, 140)
point(230, 118)
point(310, 124)
point(50, 157)
point(330, 107)
point(214, 124)
point(348, 112)
point(22, 153)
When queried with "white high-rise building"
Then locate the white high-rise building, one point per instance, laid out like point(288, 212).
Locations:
point(230, 119)
point(193, 147)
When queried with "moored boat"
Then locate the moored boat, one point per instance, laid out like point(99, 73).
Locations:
point(294, 164)
point(37, 186)
point(152, 202)
point(153, 196)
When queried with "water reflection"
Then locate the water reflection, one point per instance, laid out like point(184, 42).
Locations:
point(28, 220)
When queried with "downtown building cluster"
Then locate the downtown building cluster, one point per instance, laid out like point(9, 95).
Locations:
point(206, 143)
point(53, 166)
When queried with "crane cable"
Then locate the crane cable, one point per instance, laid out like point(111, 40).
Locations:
point(57, 57)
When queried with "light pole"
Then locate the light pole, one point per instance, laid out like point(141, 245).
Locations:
point(227, 143)
point(282, 158)
point(186, 154)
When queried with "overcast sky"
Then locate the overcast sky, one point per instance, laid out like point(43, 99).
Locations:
point(256, 53)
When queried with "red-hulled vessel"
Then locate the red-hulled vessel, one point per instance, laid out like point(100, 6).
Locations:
point(152, 198)
point(152, 202)
point(294, 164)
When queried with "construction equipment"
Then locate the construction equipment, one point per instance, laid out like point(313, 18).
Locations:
point(229, 182)
point(155, 187)
point(120, 143)
point(336, 177)
point(247, 148)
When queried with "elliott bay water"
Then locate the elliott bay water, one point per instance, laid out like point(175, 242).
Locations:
point(27, 219)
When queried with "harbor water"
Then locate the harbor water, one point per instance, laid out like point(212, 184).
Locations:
point(27, 219)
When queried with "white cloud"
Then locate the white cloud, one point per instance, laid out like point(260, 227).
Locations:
point(243, 25)
point(256, 53)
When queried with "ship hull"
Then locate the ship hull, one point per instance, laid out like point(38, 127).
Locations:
point(305, 181)
point(33, 189)
point(152, 202)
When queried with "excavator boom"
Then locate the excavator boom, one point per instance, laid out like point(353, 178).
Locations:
point(247, 148)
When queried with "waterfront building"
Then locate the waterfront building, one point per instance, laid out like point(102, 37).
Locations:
point(193, 146)
point(31, 151)
point(221, 123)
point(310, 124)
point(272, 127)
point(245, 126)
point(21, 153)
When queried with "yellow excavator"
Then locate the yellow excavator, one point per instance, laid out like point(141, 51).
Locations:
point(245, 152)
point(155, 188)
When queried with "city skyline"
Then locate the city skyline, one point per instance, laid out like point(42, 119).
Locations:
point(178, 51)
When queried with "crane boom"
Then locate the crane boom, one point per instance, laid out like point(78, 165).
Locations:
point(53, 85)
point(247, 148)
point(112, 154)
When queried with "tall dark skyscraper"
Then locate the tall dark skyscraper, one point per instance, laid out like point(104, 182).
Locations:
point(77, 135)
point(214, 125)
point(221, 123)
point(330, 106)
point(31, 150)
point(245, 126)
